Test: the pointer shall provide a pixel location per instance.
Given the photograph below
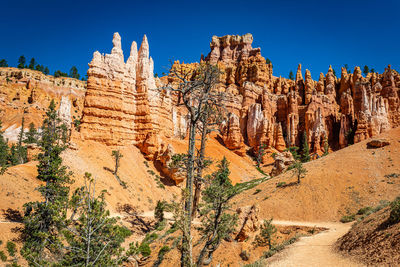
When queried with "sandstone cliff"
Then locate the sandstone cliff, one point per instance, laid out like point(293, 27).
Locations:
point(28, 93)
point(123, 105)
point(275, 112)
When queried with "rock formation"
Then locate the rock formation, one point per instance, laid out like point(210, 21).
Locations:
point(282, 162)
point(275, 112)
point(123, 105)
point(28, 93)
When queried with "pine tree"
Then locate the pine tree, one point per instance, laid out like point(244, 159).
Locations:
point(117, 156)
point(159, 211)
point(196, 88)
point(216, 224)
point(326, 147)
point(20, 148)
point(31, 135)
point(3, 63)
point(44, 219)
point(291, 75)
point(366, 70)
point(298, 170)
point(93, 237)
point(73, 73)
point(21, 62)
point(46, 71)
point(13, 156)
point(32, 64)
point(305, 157)
point(267, 231)
point(4, 150)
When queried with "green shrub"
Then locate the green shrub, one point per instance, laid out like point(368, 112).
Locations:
point(144, 249)
point(280, 184)
point(395, 211)
point(150, 238)
point(348, 218)
point(3, 256)
point(11, 248)
point(163, 251)
point(365, 210)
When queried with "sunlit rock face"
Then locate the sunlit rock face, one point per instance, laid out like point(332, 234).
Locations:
point(275, 112)
point(123, 105)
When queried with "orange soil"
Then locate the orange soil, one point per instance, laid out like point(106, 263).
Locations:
point(335, 185)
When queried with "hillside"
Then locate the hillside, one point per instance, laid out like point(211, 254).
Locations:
point(373, 240)
point(335, 185)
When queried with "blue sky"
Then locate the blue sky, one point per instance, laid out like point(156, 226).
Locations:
point(60, 34)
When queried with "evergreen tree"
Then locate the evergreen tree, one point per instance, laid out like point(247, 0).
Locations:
point(20, 148)
point(59, 73)
point(159, 211)
point(44, 219)
point(3, 63)
point(216, 224)
point(291, 75)
point(260, 154)
point(298, 170)
point(326, 147)
point(267, 231)
point(13, 156)
point(21, 62)
point(31, 135)
point(46, 71)
point(334, 72)
point(4, 150)
point(117, 156)
point(73, 73)
point(366, 70)
point(372, 70)
point(39, 68)
point(93, 237)
point(32, 64)
point(305, 157)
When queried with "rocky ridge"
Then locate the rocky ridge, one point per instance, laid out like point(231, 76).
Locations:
point(275, 112)
point(122, 105)
point(28, 93)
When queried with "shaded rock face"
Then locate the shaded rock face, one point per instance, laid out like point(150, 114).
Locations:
point(275, 112)
point(123, 105)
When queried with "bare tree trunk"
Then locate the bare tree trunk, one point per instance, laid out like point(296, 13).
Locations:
point(186, 258)
point(200, 167)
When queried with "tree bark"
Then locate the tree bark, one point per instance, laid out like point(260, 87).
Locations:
point(186, 259)
point(200, 167)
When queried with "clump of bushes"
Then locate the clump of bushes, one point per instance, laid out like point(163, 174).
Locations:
point(395, 211)
point(348, 218)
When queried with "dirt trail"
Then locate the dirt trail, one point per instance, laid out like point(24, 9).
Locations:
point(314, 250)
point(309, 251)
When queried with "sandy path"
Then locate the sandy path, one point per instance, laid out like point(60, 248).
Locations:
point(314, 250)
point(310, 251)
